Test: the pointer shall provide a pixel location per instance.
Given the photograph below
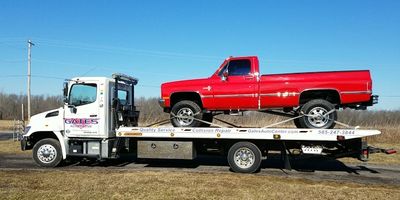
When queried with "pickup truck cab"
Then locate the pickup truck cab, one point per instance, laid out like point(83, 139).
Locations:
point(238, 86)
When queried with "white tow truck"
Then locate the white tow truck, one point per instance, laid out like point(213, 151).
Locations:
point(99, 120)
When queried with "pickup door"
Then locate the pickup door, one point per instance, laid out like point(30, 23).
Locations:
point(238, 88)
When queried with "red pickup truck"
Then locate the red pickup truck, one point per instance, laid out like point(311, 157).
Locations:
point(237, 86)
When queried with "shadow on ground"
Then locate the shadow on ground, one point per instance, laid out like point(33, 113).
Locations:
point(300, 163)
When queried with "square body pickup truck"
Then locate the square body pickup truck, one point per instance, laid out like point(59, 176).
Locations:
point(237, 86)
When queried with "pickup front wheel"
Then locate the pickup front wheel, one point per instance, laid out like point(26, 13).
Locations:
point(185, 113)
point(319, 113)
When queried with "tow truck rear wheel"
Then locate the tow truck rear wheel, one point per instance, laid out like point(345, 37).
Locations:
point(317, 114)
point(244, 157)
point(47, 152)
point(185, 113)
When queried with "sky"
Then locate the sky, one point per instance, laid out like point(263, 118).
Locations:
point(159, 41)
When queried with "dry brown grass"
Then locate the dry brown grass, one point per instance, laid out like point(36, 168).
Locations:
point(6, 124)
point(11, 147)
point(106, 184)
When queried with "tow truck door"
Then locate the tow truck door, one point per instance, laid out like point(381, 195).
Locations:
point(81, 116)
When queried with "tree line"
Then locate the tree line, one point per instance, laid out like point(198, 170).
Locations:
point(10, 105)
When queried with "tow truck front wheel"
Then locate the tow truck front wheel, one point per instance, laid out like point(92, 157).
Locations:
point(244, 157)
point(47, 153)
point(185, 114)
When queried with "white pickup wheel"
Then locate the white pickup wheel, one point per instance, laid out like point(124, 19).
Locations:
point(244, 157)
point(47, 153)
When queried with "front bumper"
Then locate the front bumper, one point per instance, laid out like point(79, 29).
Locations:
point(24, 143)
point(161, 102)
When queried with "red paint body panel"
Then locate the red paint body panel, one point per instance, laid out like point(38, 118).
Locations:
point(253, 91)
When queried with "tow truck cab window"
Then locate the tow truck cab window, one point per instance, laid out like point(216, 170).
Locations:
point(123, 97)
point(237, 68)
point(82, 94)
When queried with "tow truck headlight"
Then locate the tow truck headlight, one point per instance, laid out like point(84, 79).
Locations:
point(27, 129)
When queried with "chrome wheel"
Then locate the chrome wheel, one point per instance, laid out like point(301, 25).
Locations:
point(47, 153)
point(244, 157)
point(316, 117)
point(185, 116)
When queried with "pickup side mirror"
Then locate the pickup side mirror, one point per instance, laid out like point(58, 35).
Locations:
point(65, 92)
point(224, 76)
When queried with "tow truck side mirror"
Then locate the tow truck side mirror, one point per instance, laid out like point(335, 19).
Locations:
point(65, 92)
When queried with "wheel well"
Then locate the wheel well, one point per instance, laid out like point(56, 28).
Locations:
point(37, 136)
point(192, 96)
point(329, 95)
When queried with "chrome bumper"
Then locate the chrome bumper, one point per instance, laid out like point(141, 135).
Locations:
point(162, 103)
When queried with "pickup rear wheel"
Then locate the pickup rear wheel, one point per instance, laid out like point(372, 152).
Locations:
point(185, 113)
point(297, 122)
point(319, 114)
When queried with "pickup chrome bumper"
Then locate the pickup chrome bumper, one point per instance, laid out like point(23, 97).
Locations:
point(162, 103)
point(374, 99)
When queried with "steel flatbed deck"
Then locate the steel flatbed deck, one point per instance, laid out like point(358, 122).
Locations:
point(288, 134)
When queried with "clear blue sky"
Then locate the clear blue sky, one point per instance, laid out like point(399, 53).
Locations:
point(160, 41)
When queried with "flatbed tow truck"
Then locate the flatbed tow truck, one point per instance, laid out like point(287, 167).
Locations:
point(99, 120)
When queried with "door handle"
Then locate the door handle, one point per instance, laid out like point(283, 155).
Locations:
point(93, 116)
point(248, 78)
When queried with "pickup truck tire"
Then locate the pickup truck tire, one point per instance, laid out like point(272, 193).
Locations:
point(244, 157)
point(47, 153)
point(318, 108)
point(186, 109)
point(297, 122)
point(208, 117)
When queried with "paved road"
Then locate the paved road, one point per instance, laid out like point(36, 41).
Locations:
point(316, 168)
point(6, 135)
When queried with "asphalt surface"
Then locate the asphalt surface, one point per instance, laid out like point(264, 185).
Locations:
point(314, 168)
point(5, 135)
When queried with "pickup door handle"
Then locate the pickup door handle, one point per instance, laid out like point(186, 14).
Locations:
point(248, 78)
point(93, 115)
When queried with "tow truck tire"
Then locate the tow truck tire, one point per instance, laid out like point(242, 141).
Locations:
point(186, 108)
point(318, 107)
point(47, 153)
point(244, 157)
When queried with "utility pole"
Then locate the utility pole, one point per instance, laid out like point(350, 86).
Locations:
point(30, 44)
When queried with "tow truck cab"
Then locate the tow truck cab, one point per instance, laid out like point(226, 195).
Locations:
point(94, 107)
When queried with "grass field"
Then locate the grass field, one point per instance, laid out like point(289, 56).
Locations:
point(106, 184)
point(125, 184)
point(6, 124)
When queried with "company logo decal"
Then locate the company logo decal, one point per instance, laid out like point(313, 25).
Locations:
point(81, 122)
